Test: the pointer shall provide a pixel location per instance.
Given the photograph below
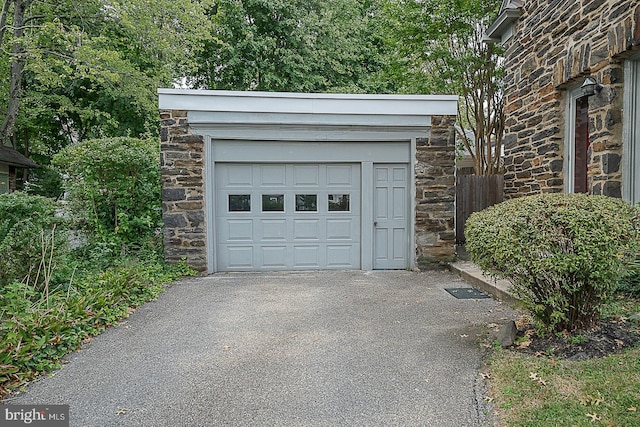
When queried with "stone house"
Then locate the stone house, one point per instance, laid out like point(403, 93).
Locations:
point(256, 181)
point(572, 96)
point(10, 160)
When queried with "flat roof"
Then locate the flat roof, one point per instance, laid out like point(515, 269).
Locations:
point(306, 103)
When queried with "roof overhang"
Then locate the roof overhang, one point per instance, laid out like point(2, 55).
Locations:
point(228, 114)
point(501, 25)
point(12, 157)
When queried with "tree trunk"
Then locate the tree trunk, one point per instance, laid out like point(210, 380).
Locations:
point(18, 58)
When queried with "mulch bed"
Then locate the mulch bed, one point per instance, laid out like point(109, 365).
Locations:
point(610, 336)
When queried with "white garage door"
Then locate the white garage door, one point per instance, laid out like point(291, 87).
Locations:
point(287, 216)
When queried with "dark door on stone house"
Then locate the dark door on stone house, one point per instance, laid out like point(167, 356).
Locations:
point(581, 146)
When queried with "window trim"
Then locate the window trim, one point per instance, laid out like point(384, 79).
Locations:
point(630, 132)
point(573, 95)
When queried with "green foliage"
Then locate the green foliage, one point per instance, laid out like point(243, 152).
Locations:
point(562, 253)
point(114, 190)
point(630, 279)
point(36, 331)
point(92, 68)
point(436, 46)
point(32, 239)
point(292, 46)
point(45, 181)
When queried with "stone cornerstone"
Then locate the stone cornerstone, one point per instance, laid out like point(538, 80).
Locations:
point(183, 192)
point(554, 45)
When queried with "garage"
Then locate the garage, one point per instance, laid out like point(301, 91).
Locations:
point(287, 216)
point(281, 181)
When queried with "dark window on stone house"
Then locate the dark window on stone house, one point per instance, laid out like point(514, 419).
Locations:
point(581, 146)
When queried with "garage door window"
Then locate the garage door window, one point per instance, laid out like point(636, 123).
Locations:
point(273, 203)
point(338, 202)
point(306, 203)
point(239, 203)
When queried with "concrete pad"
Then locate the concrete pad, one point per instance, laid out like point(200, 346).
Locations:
point(472, 274)
point(338, 348)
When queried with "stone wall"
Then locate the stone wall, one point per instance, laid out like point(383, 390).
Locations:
point(435, 194)
point(183, 211)
point(555, 45)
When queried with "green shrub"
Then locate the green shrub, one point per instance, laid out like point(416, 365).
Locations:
point(45, 181)
point(630, 279)
point(562, 253)
point(32, 239)
point(114, 191)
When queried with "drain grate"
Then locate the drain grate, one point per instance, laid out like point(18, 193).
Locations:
point(467, 293)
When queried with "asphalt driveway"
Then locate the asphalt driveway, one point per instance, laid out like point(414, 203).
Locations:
point(285, 349)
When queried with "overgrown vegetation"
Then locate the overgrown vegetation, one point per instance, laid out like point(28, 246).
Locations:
point(32, 239)
point(563, 253)
point(52, 298)
point(37, 330)
point(113, 187)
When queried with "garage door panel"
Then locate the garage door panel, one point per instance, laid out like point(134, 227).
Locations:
point(340, 229)
point(273, 229)
point(274, 256)
point(342, 256)
point(306, 229)
point(239, 230)
point(306, 176)
point(273, 176)
point(306, 256)
point(239, 176)
point(238, 257)
point(338, 176)
point(288, 218)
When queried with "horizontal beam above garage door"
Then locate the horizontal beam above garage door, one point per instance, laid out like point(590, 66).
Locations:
point(309, 117)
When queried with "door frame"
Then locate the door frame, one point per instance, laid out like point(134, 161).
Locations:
point(630, 132)
point(403, 152)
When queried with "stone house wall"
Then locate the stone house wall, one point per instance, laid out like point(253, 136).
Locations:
point(554, 46)
point(183, 191)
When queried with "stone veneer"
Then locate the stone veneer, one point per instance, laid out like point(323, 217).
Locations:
point(183, 211)
point(435, 193)
point(183, 192)
point(554, 46)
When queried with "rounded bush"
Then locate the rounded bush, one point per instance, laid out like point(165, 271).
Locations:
point(563, 253)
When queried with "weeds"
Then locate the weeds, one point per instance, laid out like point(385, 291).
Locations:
point(38, 328)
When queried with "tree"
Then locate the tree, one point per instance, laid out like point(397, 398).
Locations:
point(91, 68)
point(293, 46)
point(438, 49)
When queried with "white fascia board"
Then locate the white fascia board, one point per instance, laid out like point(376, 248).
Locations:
point(501, 25)
point(305, 103)
point(198, 118)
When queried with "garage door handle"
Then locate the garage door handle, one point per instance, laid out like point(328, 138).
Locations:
point(375, 223)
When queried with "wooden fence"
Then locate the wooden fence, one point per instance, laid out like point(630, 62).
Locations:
point(473, 194)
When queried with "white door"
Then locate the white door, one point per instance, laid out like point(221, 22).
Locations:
point(287, 216)
point(390, 216)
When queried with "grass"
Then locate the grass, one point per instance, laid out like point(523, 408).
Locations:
point(541, 391)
